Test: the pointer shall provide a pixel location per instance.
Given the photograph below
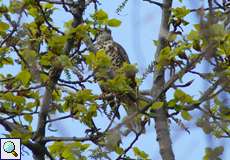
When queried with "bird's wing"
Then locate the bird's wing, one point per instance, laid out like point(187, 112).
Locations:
point(122, 52)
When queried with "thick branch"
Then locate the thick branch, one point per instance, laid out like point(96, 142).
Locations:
point(54, 75)
point(34, 147)
point(161, 120)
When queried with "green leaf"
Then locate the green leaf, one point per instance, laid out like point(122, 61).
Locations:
point(101, 15)
point(180, 12)
point(16, 134)
point(10, 97)
point(139, 153)
point(6, 61)
point(44, 77)
point(156, 42)
point(56, 147)
point(172, 103)
point(46, 59)
point(179, 94)
point(33, 11)
point(28, 117)
point(164, 57)
point(84, 95)
point(4, 26)
point(48, 5)
point(64, 60)
point(183, 97)
point(99, 61)
point(80, 31)
point(83, 147)
point(119, 84)
point(119, 150)
point(217, 31)
point(157, 105)
point(114, 22)
point(68, 155)
point(128, 69)
point(211, 154)
point(24, 76)
point(205, 125)
point(56, 43)
point(186, 115)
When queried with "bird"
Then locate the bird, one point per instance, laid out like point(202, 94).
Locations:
point(119, 57)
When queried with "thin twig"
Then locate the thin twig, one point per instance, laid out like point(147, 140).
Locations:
point(23, 89)
point(47, 21)
point(81, 139)
point(131, 145)
point(57, 2)
point(154, 2)
point(204, 9)
point(58, 119)
point(69, 86)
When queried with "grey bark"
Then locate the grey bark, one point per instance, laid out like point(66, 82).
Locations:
point(54, 74)
point(161, 119)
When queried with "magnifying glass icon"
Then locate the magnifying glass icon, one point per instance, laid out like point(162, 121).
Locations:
point(9, 147)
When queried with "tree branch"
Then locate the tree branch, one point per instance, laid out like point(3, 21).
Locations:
point(81, 139)
point(54, 74)
point(161, 119)
point(34, 147)
point(57, 2)
point(131, 144)
point(156, 3)
point(47, 21)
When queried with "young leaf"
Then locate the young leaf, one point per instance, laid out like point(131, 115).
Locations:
point(180, 12)
point(114, 22)
point(211, 154)
point(101, 15)
point(28, 118)
point(186, 115)
point(157, 105)
point(24, 76)
point(4, 26)
point(10, 97)
point(139, 153)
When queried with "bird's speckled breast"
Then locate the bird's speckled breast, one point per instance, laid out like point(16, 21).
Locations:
point(115, 51)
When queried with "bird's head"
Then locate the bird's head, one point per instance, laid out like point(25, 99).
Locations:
point(104, 35)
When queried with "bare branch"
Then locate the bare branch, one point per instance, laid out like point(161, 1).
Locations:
point(81, 139)
point(23, 89)
point(69, 86)
point(131, 145)
point(47, 21)
point(155, 2)
point(57, 2)
point(204, 9)
point(58, 119)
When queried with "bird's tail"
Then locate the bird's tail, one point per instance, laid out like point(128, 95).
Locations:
point(131, 106)
point(114, 107)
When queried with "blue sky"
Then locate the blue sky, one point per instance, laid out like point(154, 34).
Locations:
point(140, 26)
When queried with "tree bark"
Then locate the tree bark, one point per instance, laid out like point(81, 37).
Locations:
point(54, 74)
point(161, 119)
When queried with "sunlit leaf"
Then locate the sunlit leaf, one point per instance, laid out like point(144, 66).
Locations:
point(186, 115)
point(139, 153)
point(114, 22)
point(28, 117)
point(101, 15)
point(157, 105)
point(4, 26)
point(24, 76)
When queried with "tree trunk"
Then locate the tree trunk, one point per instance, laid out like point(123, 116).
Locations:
point(161, 119)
